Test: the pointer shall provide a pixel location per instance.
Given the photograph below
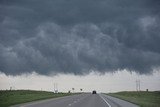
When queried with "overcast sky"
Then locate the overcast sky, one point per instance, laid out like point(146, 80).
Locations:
point(119, 81)
point(76, 37)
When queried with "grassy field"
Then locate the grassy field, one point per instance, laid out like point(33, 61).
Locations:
point(143, 98)
point(13, 97)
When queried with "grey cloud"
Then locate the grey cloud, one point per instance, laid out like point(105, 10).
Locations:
point(77, 36)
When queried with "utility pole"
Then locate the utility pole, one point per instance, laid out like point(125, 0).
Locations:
point(55, 87)
point(10, 88)
point(138, 85)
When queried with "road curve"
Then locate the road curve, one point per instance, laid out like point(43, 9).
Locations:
point(81, 100)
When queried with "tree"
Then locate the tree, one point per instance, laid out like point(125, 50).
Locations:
point(81, 89)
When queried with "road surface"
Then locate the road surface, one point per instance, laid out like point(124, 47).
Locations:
point(81, 100)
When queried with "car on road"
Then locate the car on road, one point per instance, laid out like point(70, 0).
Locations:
point(94, 92)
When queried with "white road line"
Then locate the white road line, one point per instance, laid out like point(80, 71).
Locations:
point(69, 104)
point(105, 100)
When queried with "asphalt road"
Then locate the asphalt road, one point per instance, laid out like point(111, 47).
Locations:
point(81, 100)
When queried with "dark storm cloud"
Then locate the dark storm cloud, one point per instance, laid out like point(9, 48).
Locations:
point(78, 36)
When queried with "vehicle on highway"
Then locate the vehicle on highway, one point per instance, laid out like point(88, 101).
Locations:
point(94, 92)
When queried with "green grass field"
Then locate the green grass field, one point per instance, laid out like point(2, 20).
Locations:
point(8, 98)
point(143, 98)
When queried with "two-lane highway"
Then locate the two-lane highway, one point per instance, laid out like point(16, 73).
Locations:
point(81, 100)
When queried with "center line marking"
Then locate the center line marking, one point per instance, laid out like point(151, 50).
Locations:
point(105, 101)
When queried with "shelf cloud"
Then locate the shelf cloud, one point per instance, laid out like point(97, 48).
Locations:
point(79, 36)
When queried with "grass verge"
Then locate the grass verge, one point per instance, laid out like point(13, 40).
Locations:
point(8, 98)
point(142, 98)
